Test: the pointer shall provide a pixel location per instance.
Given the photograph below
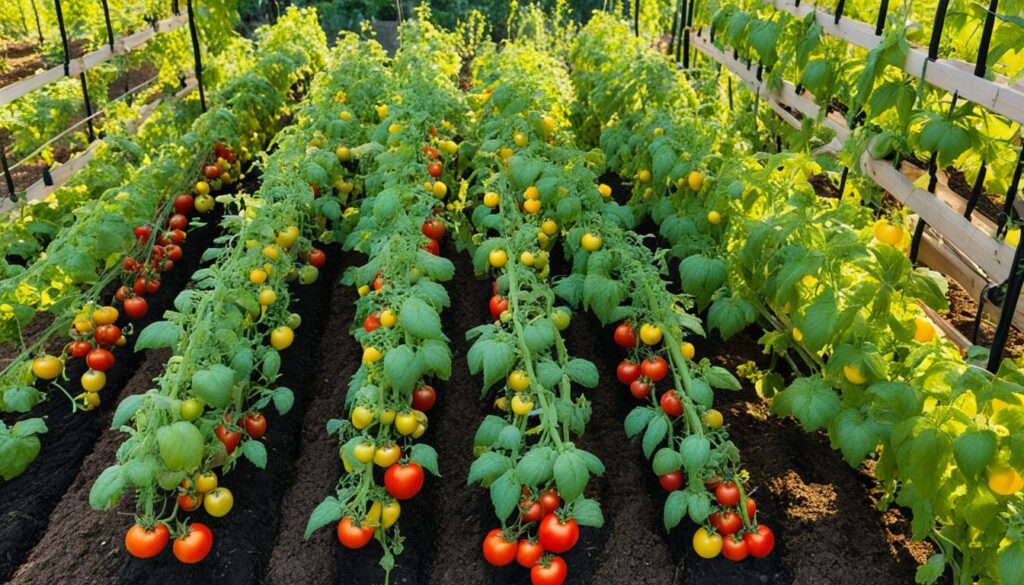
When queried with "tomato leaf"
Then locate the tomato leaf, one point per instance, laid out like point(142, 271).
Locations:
point(571, 475)
point(425, 456)
point(666, 460)
point(437, 357)
point(1011, 563)
point(592, 462)
point(284, 399)
point(19, 446)
point(702, 277)
point(256, 452)
point(271, 364)
point(637, 420)
point(328, 511)
point(812, 401)
point(509, 438)
point(973, 451)
point(548, 373)
point(929, 573)
point(540, 335)
point(730, 316)
point(587, 513)
point(420, 319)
point(106, 490)
point(675, 509)
point(158, 334)
point(698, 505)
point(401, 368)
point(505, 493)
point(656, 431)
point(570, 289)
point(214, 384)
point(126, 410)
point(494, 357)
point(583, 372)
point(436, 268)
point(141, 472)
point(487, 432)
point(488, 467)
point(719, 377)
point(818, 322)
point(855, 435)
point(980, 507)
point(537, 466)
point(603, 295)
point(21, 398)
point(696, 452)
point(700, 393)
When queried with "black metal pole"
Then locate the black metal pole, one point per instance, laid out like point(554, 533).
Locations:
point(883, 13)
point(88, 107)
point(39, 25)
point(684, 31)
point(7, 174)
point(63, 37)
point(636, 18)
point(1011, 193)
point(674, 29)
point(842, 181)
point(175, 9)
point(1013, 286)
point(110, 29)
point(196, 53)
point(940, 21)
point(986, 39)
point(979, 185)
point(839, 10)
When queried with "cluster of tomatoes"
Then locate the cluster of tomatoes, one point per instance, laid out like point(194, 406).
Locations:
point(435, 167)
point(434, 231)
point(555, 536)
point(733, 531)
point(641, 378)
point(193, 541)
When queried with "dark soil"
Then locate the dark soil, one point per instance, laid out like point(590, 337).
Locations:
point(963, 310)
point(24, 60)
point(989, 204)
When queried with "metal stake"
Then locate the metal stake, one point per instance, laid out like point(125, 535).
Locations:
point(636, 18)
point(110, 30)
point(1011, 193)
point(940, 21)
point(986, 39)
point(979, 185)
point(63, 37)
point(1013, 286)
point(196, 53)
point(7, 174)
point(883, 12)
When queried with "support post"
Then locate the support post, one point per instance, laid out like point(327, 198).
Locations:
point(1013, 286)
point(196, 53)
point(938, 24)
point(110, 29)
point(63, 37)
point(842, 182)
point(883, 13)
point(979, 186)
point(88, 107)
point(986, 39)
point(840, 7)
point(7, 174)
point(1011, 193)
point(636, 18)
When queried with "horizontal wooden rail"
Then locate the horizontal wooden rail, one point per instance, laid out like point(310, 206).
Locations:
point(964, 249)
point(948, 74)
point(77, 65)
point(62, 174)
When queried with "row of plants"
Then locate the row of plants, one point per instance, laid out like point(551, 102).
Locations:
point(404, 120)
point(132, 236)
point(838, 298)
point(227, 332)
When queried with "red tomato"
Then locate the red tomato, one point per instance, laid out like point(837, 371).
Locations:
point(671, 482)
point(625, 336)
point(727, 494)
point(655, 369)
point(550, 500)
point(157, 252)
point(142, 233)
point(229, 438)
point(143, 543)
point(435, 169)
point(80, 349)
point(433, 247)
point(433, 229)
point(255, 425)
point(163, 265)
point(550, 572)
point(177, 222)
point(729, 522)
point(352, 536)
point(190, 502)
point(194, 545)
point(627, 372)
point(140, 285)
point(529, 553)
point(316, 190)
point(498, 305)
point(531, 510)
point(423, 398)
point(224, 152)
point(173, 252)
point(371, 323)
point(317, 258)
point(734, 549)
point(760, 543)
point(183, 203)
point(122, 293)
point(378, 281)
point(670, 403)
point(130, 265)
point(100, 359)
point(430, 152)
point(557, 536)
point(162, 240)
point(403, 481)
point(498, 551)
point(107, 335)
point(152, 285)
point(136, 307)
point(751, 508)
point(212, 171)
point(176, 236)
point(639, 389)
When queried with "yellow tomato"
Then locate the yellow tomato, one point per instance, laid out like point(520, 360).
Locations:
point(267, 297)
point(520, 139)
point(206, 482)
point(271, 252)
point(1012, 237)
point(93, 380)
point(497, 258)
point(854, 375)
point(387, 455)
point(448, 146)
point(542, 239)
point(362, 417)
point(364, 452)
point(798, 335)
point(521, 406)
point(388, 319)
point(420, 429)
point(218, 502)
point(501, 403)
point(548, 123)
point(688, 350)
point(345, 115)
point(809, 280)
point(707, 545)
point(713, 419)
point(531, 193)
point(888, 233)
point(364, 290)
point(1004, 480)
point(389, 514)
point(373, 515)
point(440, 189)
point(695, 180)
point(203, 203)
point(343, 153)
point(47, 367)
point(287, 236)
point(549, 227)
point(518, 380)
point(371, 355)
point(387, 417)
point(83, 325)
point(104, 316)
point(88, 400)
point(202, 188)
point(527, 258)
point(606, 190)
point(506, 153)
point(405, 423)
point(531, 206)
point(393, 128)
point(644, 176)
point(591, 242)
point(491, 199)
point(714, 218)
point(382, 111)
point(650, 334)
point(924, 330)
point(282, 337)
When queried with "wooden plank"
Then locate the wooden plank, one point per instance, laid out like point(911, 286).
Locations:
point(77, 65)
point(946, 329)
point(948, 74)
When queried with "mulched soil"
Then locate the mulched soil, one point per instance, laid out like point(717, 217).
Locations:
point(963, 309)
point(24, 60)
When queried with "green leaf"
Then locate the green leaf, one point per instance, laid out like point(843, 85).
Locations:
point(106, 490)
point(973, 451)
point(979, 508)
point(702, 277)
point(487, 432)
point(271, 364)
point(401, 368)
point(666, 460)
point(698, 505)
point(284, 399)
point(655, 434)
point(818, 322)
point(540, 335)
point(19, 446)
point(810, 400)
point(719, 377)
point(548, 373)
point(494, 357)
point(855, 435)
point(592, 462)
point(256, 452)
point(537, 466)
point(929, 573)
point(21, 398)
point(326, 512)
point(730, 316)
point(946, 138)
point(1011, 563)
point(158, 334)
point(488, 467)
point(587, 513)
point(603, 295)
point(181, 446)
point(509, 438)
point(126, 410)
point(420, 319)
point(637, 420)
point(583, 372)
point(571, 475)
point(437, 268)
point(437, 357)
point(675, 509)
point(425, 456)
point(214, 384)
point(505, 492)
point(696, 452)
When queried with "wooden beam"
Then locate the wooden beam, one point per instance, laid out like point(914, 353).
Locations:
point(949, 74)
point(78, 65)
